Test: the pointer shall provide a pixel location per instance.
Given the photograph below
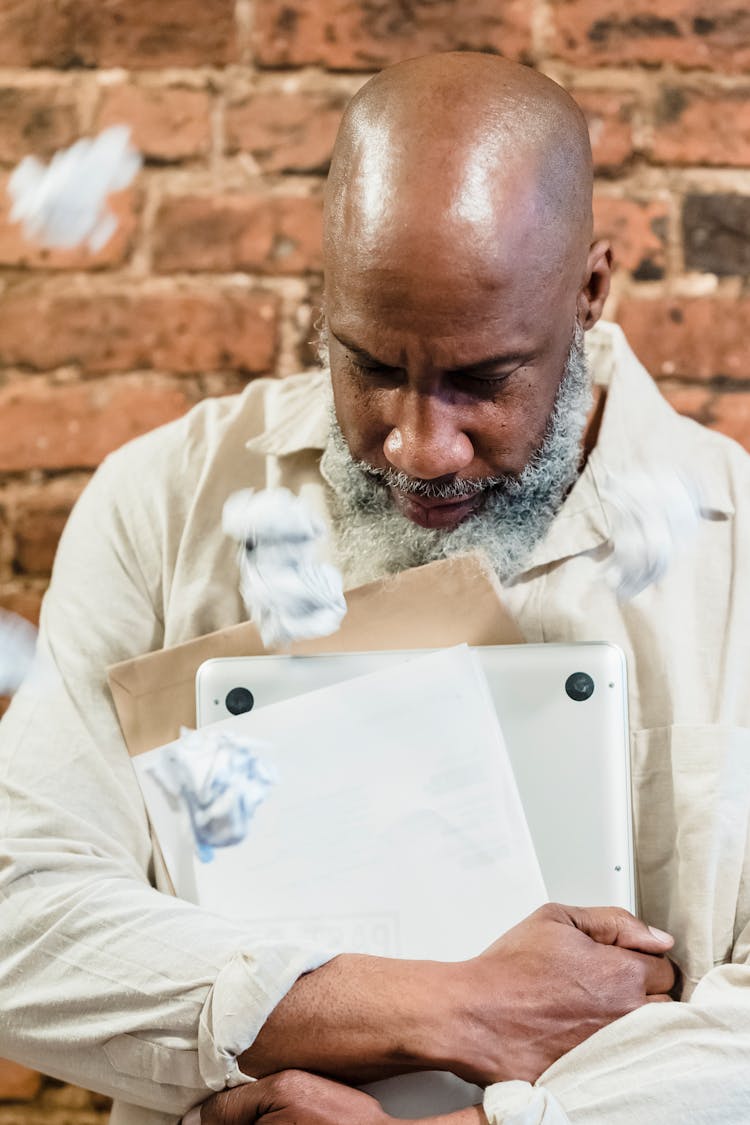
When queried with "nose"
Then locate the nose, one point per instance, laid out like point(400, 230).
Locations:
point(427, 440)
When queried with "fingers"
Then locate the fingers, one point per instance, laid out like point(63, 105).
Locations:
point(660, 975)
point(611, 925)
point(659, 999)
point(239, 1106)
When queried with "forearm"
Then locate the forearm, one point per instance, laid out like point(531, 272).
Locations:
point(361, 1018)
point(112, 986)
point(474, 1115)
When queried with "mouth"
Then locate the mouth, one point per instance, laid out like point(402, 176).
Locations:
point(432, 511)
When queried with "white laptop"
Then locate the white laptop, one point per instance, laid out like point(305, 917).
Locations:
point(563, 712)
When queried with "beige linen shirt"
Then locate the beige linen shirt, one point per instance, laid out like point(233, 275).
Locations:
point(109, 983)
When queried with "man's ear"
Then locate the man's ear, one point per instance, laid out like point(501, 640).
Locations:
point(593, 293)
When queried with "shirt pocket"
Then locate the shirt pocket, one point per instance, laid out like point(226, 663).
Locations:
point(691, 795)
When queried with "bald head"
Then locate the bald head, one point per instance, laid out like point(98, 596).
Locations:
point(468, 158)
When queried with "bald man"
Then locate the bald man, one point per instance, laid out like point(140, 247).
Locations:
point(465, 409)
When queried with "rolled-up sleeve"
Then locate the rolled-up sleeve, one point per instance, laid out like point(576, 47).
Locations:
point(104, 981)
point(666, 1063)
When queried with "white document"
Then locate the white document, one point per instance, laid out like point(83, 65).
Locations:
point(394, 828)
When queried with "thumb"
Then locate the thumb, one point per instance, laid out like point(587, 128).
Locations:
point(611, 925)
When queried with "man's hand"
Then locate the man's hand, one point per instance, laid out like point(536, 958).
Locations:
point(544, 987)
point(551, 982)
point(296, 1098)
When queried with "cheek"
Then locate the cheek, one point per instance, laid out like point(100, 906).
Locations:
point(508, 432)
point(361, 419)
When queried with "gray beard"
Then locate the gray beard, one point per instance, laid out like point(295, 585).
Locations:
point(372, 539)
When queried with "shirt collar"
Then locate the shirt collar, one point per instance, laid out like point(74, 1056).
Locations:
point(638, 428)
point(297, 415)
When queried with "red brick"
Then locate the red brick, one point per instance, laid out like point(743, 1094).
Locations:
point(56, 1099)
point(285, 132)
point(702, 126)
point(167, 124)
point(692, 338)
point(181, 331)
point(683, 32)
point(75, 425)
point(345, 35)
point(108, 33)
point(37, 522)
point(728, 411)
point(18, 252)
point(35, 121)
point(224, 233)
point(638, 232)
point(692, 401)
point(23, 598)
point(609, 114)
point(18, 1083)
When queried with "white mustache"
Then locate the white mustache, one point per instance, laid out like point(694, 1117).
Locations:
point(433, 490)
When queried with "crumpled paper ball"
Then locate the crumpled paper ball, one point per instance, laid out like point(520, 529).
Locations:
point(289, 594)
point(63, 204)
point(17, 649)
point(220, 779)
point(654, 516)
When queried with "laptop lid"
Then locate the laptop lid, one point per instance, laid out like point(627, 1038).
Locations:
point(563, 712)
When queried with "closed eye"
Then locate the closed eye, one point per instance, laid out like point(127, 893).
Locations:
point(373, 370)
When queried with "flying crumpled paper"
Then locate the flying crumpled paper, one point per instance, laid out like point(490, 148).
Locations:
point(63, 204)
point(17, 650)
point(289, 594)
point(221, 780)
point(654, 516)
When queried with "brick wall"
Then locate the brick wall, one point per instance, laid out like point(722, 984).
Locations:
point(214, 274)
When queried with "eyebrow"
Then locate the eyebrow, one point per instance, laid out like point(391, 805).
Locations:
point(506, 360)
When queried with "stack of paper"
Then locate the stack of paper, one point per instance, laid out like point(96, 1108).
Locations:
point(394, 828)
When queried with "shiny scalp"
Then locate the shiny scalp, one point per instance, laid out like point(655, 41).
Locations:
point(459, 142)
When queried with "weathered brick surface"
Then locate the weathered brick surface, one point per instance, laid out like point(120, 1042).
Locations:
point(344, 35)
point(698, 125)
point(36, 522)
point(692, 338)
point(716, 233)
point(223, 233)
point(637, 229)
point(285, 132)
point(687, 33)
point(727, 412)
point(18, 1083)
point(22, 596)
point(18, 252)
point(609, 114)
point(35, 121)
point(108, 33)
point(168, 124)
point(76, 425)
point(181, 330)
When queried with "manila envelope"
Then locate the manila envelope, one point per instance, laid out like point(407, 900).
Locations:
point(444, 603)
